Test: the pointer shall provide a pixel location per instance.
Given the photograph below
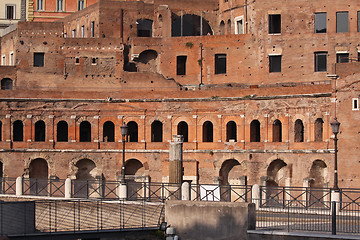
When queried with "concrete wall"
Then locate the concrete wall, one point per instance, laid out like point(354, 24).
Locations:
point(210, 220)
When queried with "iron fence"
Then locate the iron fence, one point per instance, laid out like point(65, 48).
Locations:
point(46, 217)
point(43, 187)
point(8, 185)
point(228, 193)
point(297, 218)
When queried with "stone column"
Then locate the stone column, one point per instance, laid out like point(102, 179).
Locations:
point(185, 191)
point(176, 160)
point(19, 186)
point(306, 185)
point(68, 188)
point(255, 195)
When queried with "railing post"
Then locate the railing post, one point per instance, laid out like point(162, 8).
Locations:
point(122, 191)
point(19, 186)
point(333, 217)
point(255, 195)
point(335, 197)
point(68, 188)
point(185, 191)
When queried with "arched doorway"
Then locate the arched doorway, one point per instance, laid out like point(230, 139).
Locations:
point(134, 175)
point(299, 131)
point(85, 131)
point(18, 131)
point(108, 132)
point(40, 131)
point(277, 172)
point(231, 131)
point(156, 131)
point(183, 129)
point(255, 131)
point(6, 84)
point(133, 131)
point(85, 185)
point(38, 176)
point(318, 175)
point(208, 130)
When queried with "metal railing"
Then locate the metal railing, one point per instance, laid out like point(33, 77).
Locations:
point(47, 217)
point(297, 218)
point(8, 185)
point(44, 187)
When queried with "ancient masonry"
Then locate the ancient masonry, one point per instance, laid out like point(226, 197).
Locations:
point(251, 85)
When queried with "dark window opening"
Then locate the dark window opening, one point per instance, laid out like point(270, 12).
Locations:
point(299, 131)
point(231, 131)
point(320, 22)
point(38, 59)
point(229, 26)
point(109, 132)
point(77, 60)
point(81, 5)
point(222, 28)
point(190, 25)
point(208, 131)
point(274, 23)
point(0, 132)
point(85, 131)
point(133, 131)
point(18, 131)
point(144, 27)
point(40, 131)
point(342, 22)
point(6, 84)
point(275, 63)
point(10, 12)
point(277, 131)
point(93, 61)
point(183, 129)
point(62, 131)
point(220, 63)
point(92, 29)
point(255, 131)
point(156, 131)
point(358, 21)
point(320, 61)
point(342, 57)
point(181, 65)
point(319, 130)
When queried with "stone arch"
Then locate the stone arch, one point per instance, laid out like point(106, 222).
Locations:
point(318, 174)
point(191, 26)
point(108, 131)
point(183, 129)
point(85, 169)
point(276, 173)
point(147, 61)
point(38, 169)
point(230, 171)
point(6, 84)
point(144, 27)
point(134, 167)
point(222, 28)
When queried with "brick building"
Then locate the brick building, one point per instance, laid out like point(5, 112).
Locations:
point(250, 85)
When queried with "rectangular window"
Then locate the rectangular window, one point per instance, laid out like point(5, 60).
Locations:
point(92, 29)
point(358, 56)
point(342, 22)
point(320, 22)
point(40, 5)
point(81, 4)
point(3, 60)
point(342, 57)
point(12, 59)
point(320, 61)
point(274, 23)
point(275, 63)
point(10, 12)
point(60, 5)
point(239, 25)
point(73, 33)
point(358, 21)
point(82, 31)
point(220, 63)
point(38, 59)
point(355, 104)
point(181, 65)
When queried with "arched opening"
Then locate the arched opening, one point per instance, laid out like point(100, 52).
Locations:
point(40, 131)
point(229, 26)
point(318, 173)
point(231, 131)
point(85, 131)
point(319, 130)
point(38, 174)
point(85, 170)
point(133, 131)
point(6, 84)
point(299, 131)
point(229, 174)
point(85, 185)
point(255, 131)
point(147, 61)
point(276, 176)
point(277, 131)
point(62, 131)
point(1, 131)
point(156, 131)
point(108, 132)
point(18, 131)
point(222, 28)
point(134, 170)
point(183, 129)
point(208, 131)
point(144, 27)
point(190, 25)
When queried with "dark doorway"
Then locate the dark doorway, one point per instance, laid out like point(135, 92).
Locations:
point(144, 27)
point(255, 131)
point(133, 131)
point(18, 131)
point(231, 131)
point(208, 131)
point(62, 131)
point(277, 131)
point(190, 25)
point(299, 131)
point(108, 132)
point(85, 131)
point(156, 131)
point(183, 129)
point(40, 131)
point(319, 130)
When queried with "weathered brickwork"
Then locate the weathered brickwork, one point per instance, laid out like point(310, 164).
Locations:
point(253, 95)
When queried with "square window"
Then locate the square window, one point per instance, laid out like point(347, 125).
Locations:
point(38, 59)
point(274, 23)
point(275, 63)
point(342, 22)
point(342, 57)
point(181, 65)
point(320, 22)
point(220, 63)
point(320, 61)
point(10, 12)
